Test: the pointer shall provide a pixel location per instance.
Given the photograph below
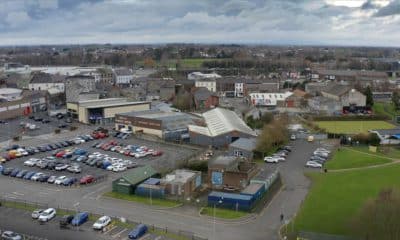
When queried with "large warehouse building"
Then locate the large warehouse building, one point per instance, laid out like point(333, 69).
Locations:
point(103, 110)
point(222, 127)
point(171, 126)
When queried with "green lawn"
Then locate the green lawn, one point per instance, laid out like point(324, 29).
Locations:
point(223, 213)
point(353, 127)
point(346, 158)
point(144, 200)
point(385, 109)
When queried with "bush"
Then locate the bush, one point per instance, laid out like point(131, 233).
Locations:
point(352, 118)
point(57, 131)
point(366, 138)
point(201, 166)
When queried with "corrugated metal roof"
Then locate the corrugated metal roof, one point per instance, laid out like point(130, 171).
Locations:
point(139, 174)
point(223, 195)
point(248, 144)
point(220, 121)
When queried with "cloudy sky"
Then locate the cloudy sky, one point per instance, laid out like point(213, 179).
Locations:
point(338, 22)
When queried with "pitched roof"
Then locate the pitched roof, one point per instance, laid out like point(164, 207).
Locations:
point(202, 94)
point(139, 174)
point(122, 72)
point(248, 144)
point(41, 77)
point(336, 89)
point(221, 121)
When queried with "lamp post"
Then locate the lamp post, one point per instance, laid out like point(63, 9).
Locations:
point(214, 222)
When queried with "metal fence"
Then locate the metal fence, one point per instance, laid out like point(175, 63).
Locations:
point(28, 205)
point(320, 236)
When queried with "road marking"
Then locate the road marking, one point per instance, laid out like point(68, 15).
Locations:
point(119, 234)
point(18, 194)
point(109, 230)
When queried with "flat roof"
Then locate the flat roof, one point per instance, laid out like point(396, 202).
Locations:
point(252, 188)
point(108, 102)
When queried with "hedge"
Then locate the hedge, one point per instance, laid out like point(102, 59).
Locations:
point(352, 118)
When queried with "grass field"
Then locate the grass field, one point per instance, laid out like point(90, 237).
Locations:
point(361, 157)
point(335, 198)
point(144, 200)
point(222, 213)
point(385, 109)
point(353, 127)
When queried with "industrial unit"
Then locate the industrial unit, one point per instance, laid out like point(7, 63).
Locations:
point(243, 147)
point(171, 126)
point(127, 183)
point(222, 127)
point(103, 110)
point(182, 182)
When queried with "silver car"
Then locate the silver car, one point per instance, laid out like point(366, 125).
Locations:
point(36, 213)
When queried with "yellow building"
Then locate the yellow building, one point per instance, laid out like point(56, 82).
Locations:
point(103, 110)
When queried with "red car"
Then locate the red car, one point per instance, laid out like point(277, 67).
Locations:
point(127, 153)
point(86, 179)
point(157, 153)
point(60, 154)
point(113, 142)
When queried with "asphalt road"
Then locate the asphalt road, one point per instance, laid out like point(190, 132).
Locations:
point(263, 226)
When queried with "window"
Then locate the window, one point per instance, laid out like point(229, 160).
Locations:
point(238, 153)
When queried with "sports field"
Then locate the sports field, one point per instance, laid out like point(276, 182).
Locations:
point(353, 127)
point(335, 198)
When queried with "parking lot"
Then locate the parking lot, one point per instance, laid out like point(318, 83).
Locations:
point(171, 156)
point(21, 222)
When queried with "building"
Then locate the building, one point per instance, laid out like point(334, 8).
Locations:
point(325, 105)
point(170, 126)
point(230, 172)
point(204, 99)
point(106, 75)
point(17, 103)
point(347, 96)
point(388, 136)
point(44, 81)
point(382, 96)
point(103, 110)
point(315, 88)
point(210, 84)
point(243, 147)
point(199, 75)
point(239, 89)
point(130, 180)
point(74, 85)
point(221, 127)
point(182, 182)
point(268, 99)
point(122, 76)
point(298, 99)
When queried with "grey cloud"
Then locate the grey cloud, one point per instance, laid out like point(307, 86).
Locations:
point(392, 8)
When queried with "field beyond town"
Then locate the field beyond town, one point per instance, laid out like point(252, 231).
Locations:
point(353, 127)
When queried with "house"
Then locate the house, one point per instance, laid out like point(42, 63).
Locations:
point(230, 172)
point(315, 88)
point(210, 84)
point(122, 76)
point(44, 81)
point(221, 127)
point(74, 85)
point(204, 99)
point(298, 99)
point(130, 180)
point(243, 147)
point(347, 96)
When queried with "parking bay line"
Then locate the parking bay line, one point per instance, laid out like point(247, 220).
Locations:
point(119, 234)
point(109, 230)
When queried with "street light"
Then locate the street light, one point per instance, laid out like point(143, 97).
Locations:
point(220, 202)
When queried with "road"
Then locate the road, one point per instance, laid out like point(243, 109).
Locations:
point(263, 226)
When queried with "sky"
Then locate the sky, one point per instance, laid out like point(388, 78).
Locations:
point(301, 22)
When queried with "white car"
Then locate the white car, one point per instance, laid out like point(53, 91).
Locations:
point(102, 223)
point(47, 215)
point(36, 176)
point(280, 158)
point(36, 213)
point(74, 169)
point(78, 140)
point(319, 153)
point(10, 235)
point(23, 152)
point(119, 168)
point(271, 160)
point(293, 137)
point(60, 180)
point(31, 162)
point(313, 164)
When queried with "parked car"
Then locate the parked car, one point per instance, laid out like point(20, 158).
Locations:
point(21, 173)
point(36, 176)
point(43, 178)
point(59, 180)
point(29, 175)
point(86, 179)
point(293, 137)
point(138, 232)
point(36, 213)
point(61, 167)
point(10, 235)
point(313, 164)
point(7, 171)
point(102, 223)
point(14, 172)
point(271, 160)
point(80, 218)
point(66, 220)
point(69, 181)
point(51, 179)
point(47, 215)
point(74, 169)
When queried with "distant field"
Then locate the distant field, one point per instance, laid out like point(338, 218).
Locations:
point(353, 127)
point(186, 62)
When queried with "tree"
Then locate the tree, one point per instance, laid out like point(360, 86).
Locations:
point(149, 63)
point(379, 218)
point(368, 94)
point(396, 100)
point(273, 135)
point(183, 101)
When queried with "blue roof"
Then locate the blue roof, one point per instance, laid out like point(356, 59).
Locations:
point(223, 195)
point(152, 181)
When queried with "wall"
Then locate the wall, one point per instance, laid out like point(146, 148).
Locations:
point(354, 98)
point(111, 111)
point(245, 153)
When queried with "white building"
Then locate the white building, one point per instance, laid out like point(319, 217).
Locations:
point(239, 89)
point(122, 76)
point(200, 75)
point(10, 94)
point(44, 82)
point(268, 99)
point(211, 85)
